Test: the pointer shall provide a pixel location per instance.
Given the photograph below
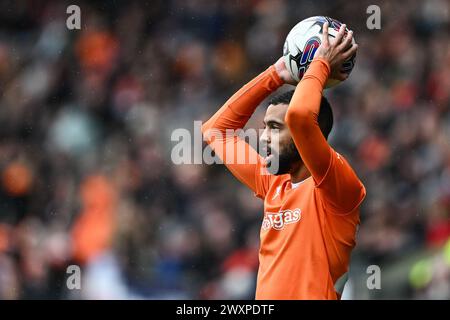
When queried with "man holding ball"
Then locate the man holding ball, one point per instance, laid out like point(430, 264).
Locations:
point(312, 197)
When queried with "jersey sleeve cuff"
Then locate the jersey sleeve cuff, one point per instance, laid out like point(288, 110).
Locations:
point(277, 81)
point(319, 69)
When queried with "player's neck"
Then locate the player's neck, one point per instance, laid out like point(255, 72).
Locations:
point(299, 173)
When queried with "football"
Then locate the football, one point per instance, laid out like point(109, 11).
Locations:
point(302, 42)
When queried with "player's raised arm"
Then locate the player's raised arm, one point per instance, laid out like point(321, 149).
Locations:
point(233, 115)
point(303, 111)
point(302, 120)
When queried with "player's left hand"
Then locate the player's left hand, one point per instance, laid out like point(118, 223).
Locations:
point(336, 51)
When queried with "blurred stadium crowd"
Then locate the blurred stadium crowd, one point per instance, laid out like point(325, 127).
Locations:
point(86, 118)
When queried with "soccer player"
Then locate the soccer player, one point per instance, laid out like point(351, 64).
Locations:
point(312, 198)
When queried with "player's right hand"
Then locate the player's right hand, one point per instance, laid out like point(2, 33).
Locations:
point(336, 51)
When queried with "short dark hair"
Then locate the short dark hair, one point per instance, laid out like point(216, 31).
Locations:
point(325, 113)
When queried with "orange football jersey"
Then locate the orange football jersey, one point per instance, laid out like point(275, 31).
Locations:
point(308, 228)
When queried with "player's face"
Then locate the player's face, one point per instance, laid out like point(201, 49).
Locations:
point(278, 147)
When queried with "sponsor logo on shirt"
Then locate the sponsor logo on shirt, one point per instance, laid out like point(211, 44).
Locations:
point(278, 220)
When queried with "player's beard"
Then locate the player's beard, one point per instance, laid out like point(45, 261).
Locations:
point(286, 159)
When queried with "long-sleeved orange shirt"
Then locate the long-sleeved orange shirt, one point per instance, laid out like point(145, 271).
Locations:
point(309, 228)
